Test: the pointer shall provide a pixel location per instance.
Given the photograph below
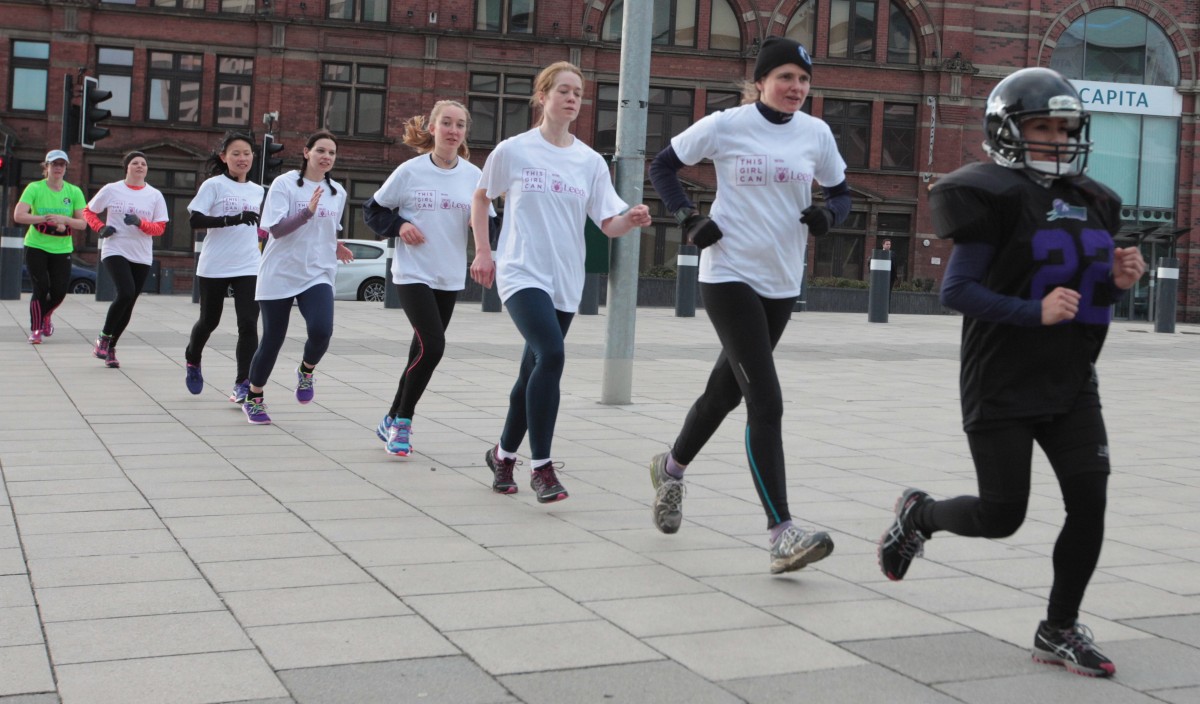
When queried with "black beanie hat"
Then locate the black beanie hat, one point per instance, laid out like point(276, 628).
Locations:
point(778, 51)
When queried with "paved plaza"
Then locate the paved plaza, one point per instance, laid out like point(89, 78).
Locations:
point(155, 547)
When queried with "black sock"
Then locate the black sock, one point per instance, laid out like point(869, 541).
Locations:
point(307, 369)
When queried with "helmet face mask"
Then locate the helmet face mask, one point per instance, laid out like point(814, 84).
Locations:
point(1032, 93)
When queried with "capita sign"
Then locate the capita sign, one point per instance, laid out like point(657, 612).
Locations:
point(1129, 98)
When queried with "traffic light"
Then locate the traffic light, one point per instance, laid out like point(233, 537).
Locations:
point(269, 164)
point(9, 167)
point(90, 113)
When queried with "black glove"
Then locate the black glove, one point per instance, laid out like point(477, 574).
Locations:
point(131, 219)
point(107, 231)
point(248, 217)
point(818, 218)
point(698, 229)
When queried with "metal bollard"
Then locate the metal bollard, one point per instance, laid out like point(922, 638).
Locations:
point(12, 249)
point(166, 284)
point(106, 290)
point(687, 267)
point(197, 248)
point(589, 303)
point(391, 295)
point(1168, 288)
point(881, 285)
point(491, 296)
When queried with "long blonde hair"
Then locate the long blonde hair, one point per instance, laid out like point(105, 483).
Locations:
point(418, 136)
point(544, 83)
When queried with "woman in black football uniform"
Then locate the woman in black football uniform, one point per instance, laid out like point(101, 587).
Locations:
point(1034, 272)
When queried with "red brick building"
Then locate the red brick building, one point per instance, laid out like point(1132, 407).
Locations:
point(901, 82)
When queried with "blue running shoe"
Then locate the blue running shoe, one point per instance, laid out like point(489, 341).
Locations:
point(382, 430)
point(399, 441)
point(241, 389)
point(304, 386)
point(256, 411)
point(194, 380)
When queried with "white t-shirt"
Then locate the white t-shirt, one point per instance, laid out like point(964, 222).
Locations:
point(129, 241)
point(438, 202)
point(765, 174)
point(306, 257)
point(549, 192)
point(228, 251)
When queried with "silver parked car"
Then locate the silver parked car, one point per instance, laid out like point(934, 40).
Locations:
point(365, 278)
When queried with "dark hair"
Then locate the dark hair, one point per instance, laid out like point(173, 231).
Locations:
point(313, 139)
point(214, 165)
point(130, 157)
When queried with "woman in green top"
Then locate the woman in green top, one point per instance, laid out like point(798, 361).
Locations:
point(53, 209)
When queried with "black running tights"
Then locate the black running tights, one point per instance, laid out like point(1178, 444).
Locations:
point(428, 312)
point(128, 278)
point(49, 276)
point(749, 326)
point(212, 304)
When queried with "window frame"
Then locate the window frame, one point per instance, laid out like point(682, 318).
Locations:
point(237, 80)
point(838, 123)
point(891, 138)
point(852, 36)
point(357, 13)
point(248, 7)
point(25, 63)
point(195, 5)
point(662, 110)
point(614, 14)
point(353, 89)
point(501, 128)
point(505, 25)
point(176, 77)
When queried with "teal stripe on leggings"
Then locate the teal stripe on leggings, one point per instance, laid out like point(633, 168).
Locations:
point(758, 478)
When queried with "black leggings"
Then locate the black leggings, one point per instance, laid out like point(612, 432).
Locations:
point(1076, 444)
point(49, 274)
point(749, 326)
point(428, 312)
point(316, 306)
point(212, 304)
point(128, 278)
point(533, 401)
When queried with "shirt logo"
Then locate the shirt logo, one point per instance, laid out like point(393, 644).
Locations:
point(752, 170)
point(1065, 211)
point(426, 199)
point(533, 180)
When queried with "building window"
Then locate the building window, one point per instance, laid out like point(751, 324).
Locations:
point(508, 16)
point(896, 227)
point(669, 113)
point(234, 77)
point(354, 228)
point(840, 253)
point(899, 136)
point(114, 69)
point(724, 31)
point(360, 10)
point(902, 42)
point(674, 23)
point(238, 7)
point(850, 121)
point(716, 101)
point(852, 29)
point(180, 4)
point(660, 241)
point(30, 75)
point(1116, 45)
point(803, 25)
point(352, 99)
point(174, 94)
point(499, 106)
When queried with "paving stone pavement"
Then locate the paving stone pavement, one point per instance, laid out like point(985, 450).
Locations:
point(154, 547)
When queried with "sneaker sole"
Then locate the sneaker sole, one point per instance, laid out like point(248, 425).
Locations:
point(1046, 659)
point(258, 422)
point(801, 561)
point(404, 453)
point(551, 499)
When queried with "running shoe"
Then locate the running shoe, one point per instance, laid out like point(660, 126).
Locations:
point(1074, 648)
point(668, 496)
point(399, 441)
point(256, 411)
point(798, 547)
point(35, 337)
point(101, 345)
point(546, 486)
point(382, 430)
point(110, 359)
point(194, 379)
point(304, 386)
point(502, 472)
point(47, 326)
point(902, 543)
point(241, 389)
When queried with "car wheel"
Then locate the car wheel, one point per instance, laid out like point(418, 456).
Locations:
point(373, 290)
point(82, 286)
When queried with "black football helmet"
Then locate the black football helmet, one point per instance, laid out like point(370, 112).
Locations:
point(1036, 92)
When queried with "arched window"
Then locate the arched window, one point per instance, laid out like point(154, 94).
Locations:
point(1109, 52)
point(803, 25)
point(902, 40)
point(675, 24)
